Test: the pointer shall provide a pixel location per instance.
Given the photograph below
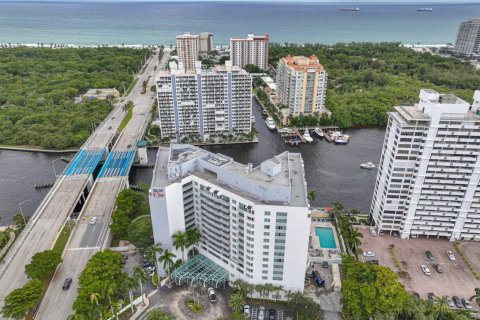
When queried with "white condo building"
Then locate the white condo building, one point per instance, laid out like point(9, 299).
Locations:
point(188, 49)
point(302, 85)
point(429, 170)
point(254, 222)
point(468, 38)
point(202, 103)
point(250, 50)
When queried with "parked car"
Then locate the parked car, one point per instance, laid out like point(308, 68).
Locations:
point(261, 313)
point(246, 310)
point(373, 232)
point(450, 256)
point(67, 283)
point(438, 268)
point(211, 295)
point(380, 233)
point(457, 301)
point(449, 301)
point(280, 314)
point(271, 314)
point(325, 264)
point(254, 313)
point(431, 296)
point(425, 270)
point(93, 220)
point(466, 304)
point(430, 255)
point(369, 254)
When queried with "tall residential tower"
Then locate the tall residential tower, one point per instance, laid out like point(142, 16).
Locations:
point(428, 176)
point(254, 221)
point(202, 103)
point(302, 85)
point(468, 38)
point(250, 50)
point(188, 48)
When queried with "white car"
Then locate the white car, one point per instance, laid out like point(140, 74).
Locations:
point(93, 220)
point(246, 310)
point(211, 295)
point(450, 256)
point(261, 313)
point(425, 270)
point(369, 254)
point(373, 232)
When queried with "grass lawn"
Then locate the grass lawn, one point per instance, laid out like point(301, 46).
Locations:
point(62, 239)
point(127, 118)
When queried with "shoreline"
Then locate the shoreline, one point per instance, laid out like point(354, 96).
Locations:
point(35, 149)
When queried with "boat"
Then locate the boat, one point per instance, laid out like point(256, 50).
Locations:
point(350, 9)
point(270, 123)
point(307, 136)
point(318, 133)
point(425, 9)
point(341, 140)
point(368, 165)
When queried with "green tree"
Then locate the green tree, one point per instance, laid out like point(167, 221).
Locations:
point(166, 258)
point(312, 195)
point(18, 302)
point(158, 314)
point(305, 308)
point(193, 236)
point(180, 241)
point(43, 264)
point(370, 289)
point(236, 302)
point(140, 233)
point(140, 276)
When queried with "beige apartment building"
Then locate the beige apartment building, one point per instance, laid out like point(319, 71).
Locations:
point(302, 85)
point(188, 48)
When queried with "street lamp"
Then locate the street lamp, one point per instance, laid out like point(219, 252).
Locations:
point(21, 211)
point(54, 171)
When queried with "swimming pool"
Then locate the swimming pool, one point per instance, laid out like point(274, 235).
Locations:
point(326, 237)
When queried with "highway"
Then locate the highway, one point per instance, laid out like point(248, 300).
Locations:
point(87, 238)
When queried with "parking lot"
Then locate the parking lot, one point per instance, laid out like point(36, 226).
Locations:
point(456, 279)
point(280, 312)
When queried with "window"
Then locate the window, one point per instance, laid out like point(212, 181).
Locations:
point(265, 259)
point(278, 278)
point(266, 234)
point(265, 246)
point(265, 265)
point(264, 278)
point(265, 253)
point(266, 226)
point(267, 213)
point(267, 219)
point(265, 271)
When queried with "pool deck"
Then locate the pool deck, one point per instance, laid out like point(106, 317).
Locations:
point(315, 251)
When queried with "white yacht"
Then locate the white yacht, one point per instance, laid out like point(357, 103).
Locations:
point(368, 165)
point(307, 137)
point(270, 123)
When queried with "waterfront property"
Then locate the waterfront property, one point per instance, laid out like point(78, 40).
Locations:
point(325, 237)
point(188, 48)
point(251, 219)
point(324, 242)
point(204, 103)
point(429, 171)
point(302, 85)
point(468, 39)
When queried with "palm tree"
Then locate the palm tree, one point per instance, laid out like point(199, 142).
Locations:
point(180, 241)
point(476, 297)
point(140, 276)
point(108, 292)
point(192, 252)
point(151, 255)
point(354, 239)
point(277, 292)
point(130, 284)
point(167, 260)
point(241, 286)
point(193, 236)
point(260, 288)
point(94, 296)
point(312, 195)
point(268, 288)
point(237, 301)
point(440, 309)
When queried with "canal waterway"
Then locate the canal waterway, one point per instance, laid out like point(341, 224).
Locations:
point(333, 171)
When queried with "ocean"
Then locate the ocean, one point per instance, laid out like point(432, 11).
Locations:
point(149, 23)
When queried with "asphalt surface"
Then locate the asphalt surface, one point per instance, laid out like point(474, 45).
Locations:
point(90, 238)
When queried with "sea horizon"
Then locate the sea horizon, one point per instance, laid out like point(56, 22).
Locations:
point(94, 23)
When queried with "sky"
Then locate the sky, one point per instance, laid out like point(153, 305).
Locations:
point(280, 1)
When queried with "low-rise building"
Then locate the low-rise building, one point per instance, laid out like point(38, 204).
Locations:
point(254, 221)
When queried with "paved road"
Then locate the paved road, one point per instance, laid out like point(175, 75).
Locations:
point(88, 238)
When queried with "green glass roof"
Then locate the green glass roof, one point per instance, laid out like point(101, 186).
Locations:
point(200, 270)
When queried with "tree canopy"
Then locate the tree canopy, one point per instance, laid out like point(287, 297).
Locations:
point(43, 264)
point(102, 276)
point(18, 302)
point(38, 86)
point(365, 80)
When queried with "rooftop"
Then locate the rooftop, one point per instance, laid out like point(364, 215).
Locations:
point(284, 172)
point(178, 70)
point(301, 63)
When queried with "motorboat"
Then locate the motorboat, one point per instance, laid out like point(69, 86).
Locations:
point(307, 136)
point(270, 123)
point(341, 139)
point(318, 133)
point(368, 165)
